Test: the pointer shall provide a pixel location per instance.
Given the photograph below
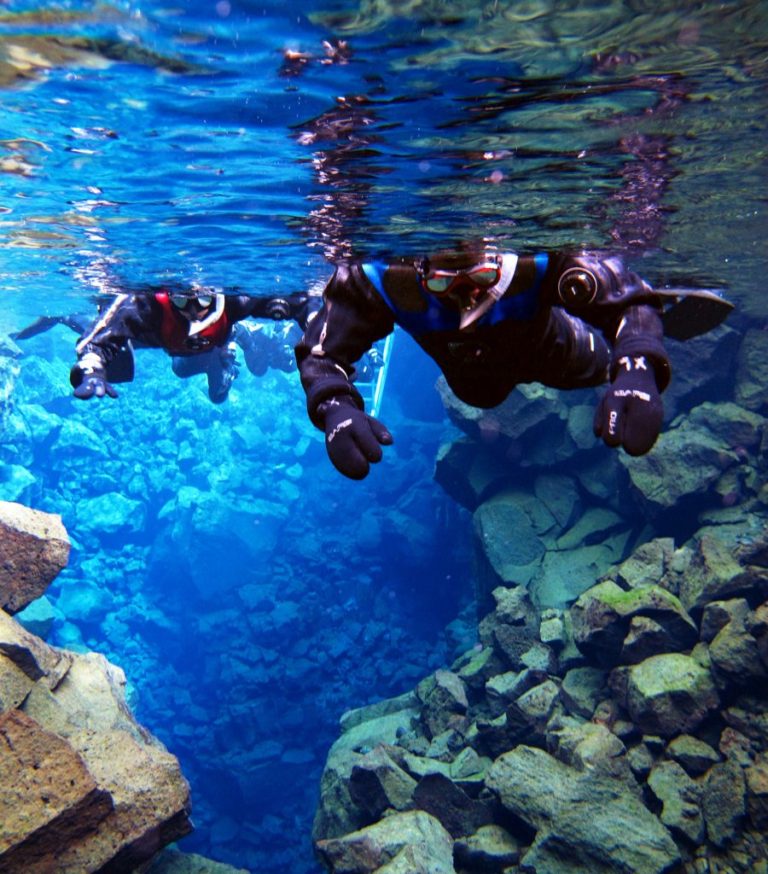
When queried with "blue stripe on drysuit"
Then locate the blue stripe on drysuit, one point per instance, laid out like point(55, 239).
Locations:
point(440, 316)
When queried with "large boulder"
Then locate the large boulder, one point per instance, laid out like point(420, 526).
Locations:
point(112, 794)
point(670, 694)
point(49, 798)
point(362, 730)
point(688, 460)
point(34, 547)
point(515, 559)
point(603, 618)
point(415, 838)
point(717, 571)
point(175, 862)
point(594, 822)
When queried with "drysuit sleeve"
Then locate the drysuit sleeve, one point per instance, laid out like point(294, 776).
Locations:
point(607, 295)
point(352, 318)
point(127, 318)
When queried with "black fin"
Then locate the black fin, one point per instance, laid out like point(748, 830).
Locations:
point(692, 311)
point(78, 324)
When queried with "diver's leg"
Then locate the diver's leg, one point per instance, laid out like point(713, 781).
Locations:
point(255, 344)
point(222, 370)
point(188, 365)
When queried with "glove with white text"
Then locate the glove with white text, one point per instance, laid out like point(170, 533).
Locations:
point(353, 439)
point(89, 381)
point(631, 412)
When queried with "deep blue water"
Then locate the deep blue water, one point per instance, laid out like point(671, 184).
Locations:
point(250, 593)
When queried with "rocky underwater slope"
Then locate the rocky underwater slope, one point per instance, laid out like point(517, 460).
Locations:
point(83, 786)
point(613, 716)
point(626, 734)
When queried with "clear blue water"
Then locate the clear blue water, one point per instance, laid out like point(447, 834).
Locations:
point(250, 593)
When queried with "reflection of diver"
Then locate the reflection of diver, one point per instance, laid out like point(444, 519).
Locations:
point(335, 51)
point(343, 142)
point(492, 321)
point(199, 329)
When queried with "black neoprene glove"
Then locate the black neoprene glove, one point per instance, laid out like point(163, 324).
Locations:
point(353, 439)
point(90, 382)
point(631, 412)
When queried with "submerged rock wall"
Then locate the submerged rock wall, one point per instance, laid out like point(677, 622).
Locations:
point(626, 733)
point(84, 787)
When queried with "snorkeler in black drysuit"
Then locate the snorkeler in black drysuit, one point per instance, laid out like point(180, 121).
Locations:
point(492, 321)
point(198, 328)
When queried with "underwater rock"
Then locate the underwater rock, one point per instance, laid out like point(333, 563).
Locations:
point(111, 514)
point(141, 801)
point(84, 601)
point(49, 798)
point(603, 616)
point(648, 563)
point(17, 483)
point(670, 693)
point(590, 746)
point(444, 701)
point(337, 814)
point(468, 472)
point(695, 380)
point(248, 528)
point(612, 769)
point(681, 800)
point(85, 787)
point(751, 390)
point(687, 460)
point(581, 690)
point(37, 617)
point(693, 754)
point(176, 862)
point(416, 839)
point(490, 848)
point(512, 628)
point(26, 660)
point(34, 547)
point(592, 819)
point(459, 814)
point(529, 413)
point(740, 429)
point(716, 571)
point(724, 802)
point(565, 573)
point(377, 783)
point(757, 791)
point(735, 652)
point(514, 559)
point(556, 565)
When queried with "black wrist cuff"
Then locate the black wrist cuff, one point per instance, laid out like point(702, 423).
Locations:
point(331, 387)
point(654, 352)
